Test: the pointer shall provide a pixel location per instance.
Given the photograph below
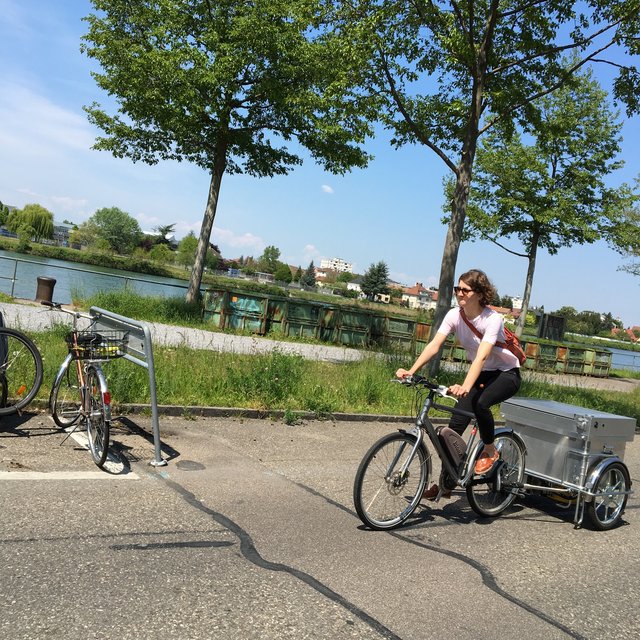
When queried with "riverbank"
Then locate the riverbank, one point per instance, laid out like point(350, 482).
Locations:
point(30, 316)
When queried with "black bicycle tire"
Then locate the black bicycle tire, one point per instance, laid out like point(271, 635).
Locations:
point(54, 395)
point(98, 453)
point(425, 470)
point(27, 397)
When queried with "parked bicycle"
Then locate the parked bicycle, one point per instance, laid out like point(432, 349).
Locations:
point(20, 371)
point(395, 471)
point(80, 395)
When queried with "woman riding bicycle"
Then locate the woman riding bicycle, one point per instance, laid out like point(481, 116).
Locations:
point(494, 374)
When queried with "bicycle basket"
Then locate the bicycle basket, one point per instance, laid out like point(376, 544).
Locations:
point(94, 345)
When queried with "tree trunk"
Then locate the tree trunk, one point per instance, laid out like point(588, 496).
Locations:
point(533, 252)
point(451, 248)
point(463, 184)
point(207, 225)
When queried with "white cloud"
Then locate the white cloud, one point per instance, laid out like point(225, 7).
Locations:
point(31, 125)
point(147, 222)
point(228, 238)
point(327, 189)
point(310, 252)
point(68, 204)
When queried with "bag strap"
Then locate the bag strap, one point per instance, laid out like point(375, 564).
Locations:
point(502, 345)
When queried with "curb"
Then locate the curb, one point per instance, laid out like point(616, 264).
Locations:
point(178, 411)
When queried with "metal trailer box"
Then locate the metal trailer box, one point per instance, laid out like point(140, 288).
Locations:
point(564, 440)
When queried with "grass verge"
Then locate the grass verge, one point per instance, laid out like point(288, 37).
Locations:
point(289, 383)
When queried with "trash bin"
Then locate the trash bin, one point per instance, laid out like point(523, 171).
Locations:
point(44, 291)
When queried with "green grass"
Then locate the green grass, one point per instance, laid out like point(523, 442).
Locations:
point(289, 383)
point(167, 310)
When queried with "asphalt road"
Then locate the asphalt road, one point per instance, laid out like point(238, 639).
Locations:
point(249, 532)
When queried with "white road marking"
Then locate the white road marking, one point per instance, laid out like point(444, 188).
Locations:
point(112, 465)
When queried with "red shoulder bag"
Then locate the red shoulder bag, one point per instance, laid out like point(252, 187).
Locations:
point(511, 342)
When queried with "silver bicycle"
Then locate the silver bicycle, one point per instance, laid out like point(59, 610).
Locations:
point(395, 471)
point(80, 396)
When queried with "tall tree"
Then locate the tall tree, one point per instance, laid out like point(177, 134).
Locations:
point(33, 216)
point(163, 231)
point(442, 73)
point(282, 273)
point(187, 249)
point(4, 214)
point(221, 84)
point(551, 193)
point(375, 280)
point(111, 226)
point(308, 278)
point(268, 261)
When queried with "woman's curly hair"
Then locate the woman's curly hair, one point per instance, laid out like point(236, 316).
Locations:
point(480, 283)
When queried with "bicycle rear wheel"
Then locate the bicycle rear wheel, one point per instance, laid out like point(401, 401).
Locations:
point(490, 496)
point(20, 371)
point(383, 495)
point(65, 400)
point(98, 415)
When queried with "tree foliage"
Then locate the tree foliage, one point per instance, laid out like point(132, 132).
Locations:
point(224, 85)
point(187, 249)
point(163, 231)
point(161, 253)
point(443, 73)
point(375, 280)
point(32, 217)
point(4, 214)
point(308, 277)
point(268, 261)
point(551, 192)
point(588, 323)
point(109, 229)
point(630, 243)
point(282, 273)
point(85, 234)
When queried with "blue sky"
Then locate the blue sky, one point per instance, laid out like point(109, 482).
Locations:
point(390, 211)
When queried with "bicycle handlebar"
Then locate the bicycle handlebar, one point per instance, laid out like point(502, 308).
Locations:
point(59, 307)
point(420, 381)
point(438, 389)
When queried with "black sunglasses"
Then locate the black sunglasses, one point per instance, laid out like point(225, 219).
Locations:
point(462, 290)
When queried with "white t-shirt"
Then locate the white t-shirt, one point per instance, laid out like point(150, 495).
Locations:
point(489, 323)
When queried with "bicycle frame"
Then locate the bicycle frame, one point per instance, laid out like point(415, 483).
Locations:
point(465, 470)
point(81, 366)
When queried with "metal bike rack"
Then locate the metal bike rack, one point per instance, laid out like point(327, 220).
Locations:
point(140, 352)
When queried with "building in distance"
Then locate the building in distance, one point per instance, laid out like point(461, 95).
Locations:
point(336, 264)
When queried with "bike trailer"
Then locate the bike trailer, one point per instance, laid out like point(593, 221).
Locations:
point(563, 441)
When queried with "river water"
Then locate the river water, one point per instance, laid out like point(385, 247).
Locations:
point(80, 279)
point(19, 278)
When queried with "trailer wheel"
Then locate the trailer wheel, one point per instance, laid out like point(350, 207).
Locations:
point(605, 510)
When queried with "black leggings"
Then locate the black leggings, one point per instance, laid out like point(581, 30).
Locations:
point(491, 388)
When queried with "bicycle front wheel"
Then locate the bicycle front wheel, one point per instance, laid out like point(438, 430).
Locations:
point(385, 493)
point(20, 371)
point(97, 415)
point(65, 400)
point(491, 496)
